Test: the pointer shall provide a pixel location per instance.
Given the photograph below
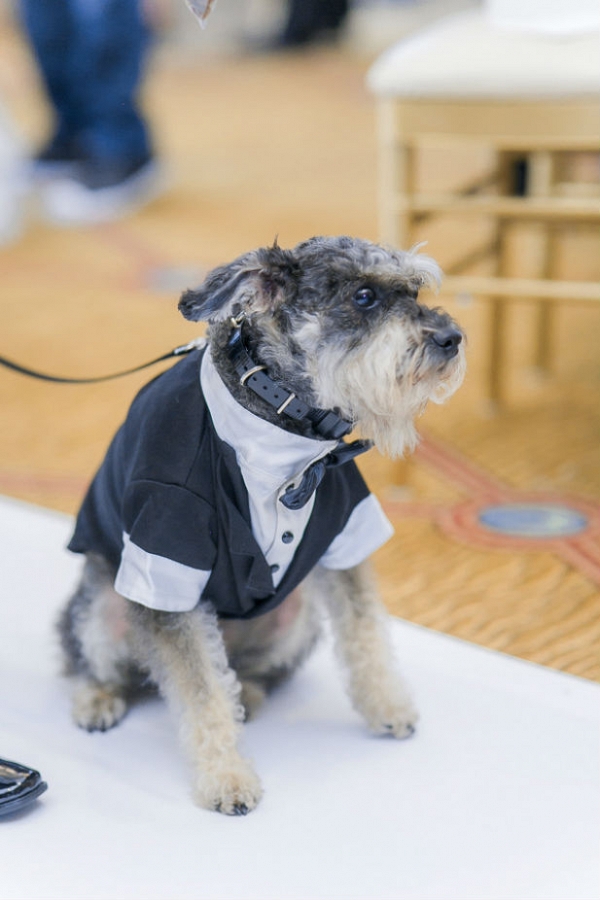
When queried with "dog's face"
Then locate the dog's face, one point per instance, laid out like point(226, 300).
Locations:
point(340, 322)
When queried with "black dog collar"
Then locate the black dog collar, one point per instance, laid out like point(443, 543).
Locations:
point(326, 423)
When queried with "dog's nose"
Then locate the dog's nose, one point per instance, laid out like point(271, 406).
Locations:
point(448, 340)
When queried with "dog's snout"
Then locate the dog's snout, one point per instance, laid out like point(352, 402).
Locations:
point(447, 339)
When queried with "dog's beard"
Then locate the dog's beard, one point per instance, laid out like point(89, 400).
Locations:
point(386, 383)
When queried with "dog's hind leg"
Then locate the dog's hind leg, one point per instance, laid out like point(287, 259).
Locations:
point(375, 687)
point(93, 633)
point(186, 657)
point(265, 651)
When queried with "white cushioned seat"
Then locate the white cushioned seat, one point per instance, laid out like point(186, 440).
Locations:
point(468, 56)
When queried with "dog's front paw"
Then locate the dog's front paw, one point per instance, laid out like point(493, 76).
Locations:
point(398, 719)
point(230, 787)
point(97, 708)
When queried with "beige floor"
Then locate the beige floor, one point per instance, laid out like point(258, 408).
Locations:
point(284, 146)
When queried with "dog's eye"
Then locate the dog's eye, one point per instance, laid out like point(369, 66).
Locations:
point(365, 298)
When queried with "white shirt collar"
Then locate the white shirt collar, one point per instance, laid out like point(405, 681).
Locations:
point(269, 451)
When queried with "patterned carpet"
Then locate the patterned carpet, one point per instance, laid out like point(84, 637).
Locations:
point(497, 518)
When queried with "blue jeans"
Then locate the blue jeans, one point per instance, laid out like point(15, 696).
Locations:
point(91, 55)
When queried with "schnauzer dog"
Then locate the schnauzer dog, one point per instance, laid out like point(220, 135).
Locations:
point(229, 512)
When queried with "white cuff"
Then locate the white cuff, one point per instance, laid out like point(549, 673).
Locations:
point(367, 529)
point(157, 582)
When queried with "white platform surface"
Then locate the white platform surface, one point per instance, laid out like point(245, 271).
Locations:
point(496, 796)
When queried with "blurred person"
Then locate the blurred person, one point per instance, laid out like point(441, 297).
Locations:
point(98, 162)
point(311, 21)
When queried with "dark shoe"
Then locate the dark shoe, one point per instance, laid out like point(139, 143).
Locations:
point(313, 21)
point(99, 174)
point(101, 191)
point(58, 150)
point(57, 159)
point(19, 786)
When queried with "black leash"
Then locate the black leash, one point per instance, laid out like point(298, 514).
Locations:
point(325, 422)
point(57, 379)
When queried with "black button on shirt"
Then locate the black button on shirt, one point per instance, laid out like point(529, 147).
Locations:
point(287, 537)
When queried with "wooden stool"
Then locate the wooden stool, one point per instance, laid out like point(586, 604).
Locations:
point(531, 99)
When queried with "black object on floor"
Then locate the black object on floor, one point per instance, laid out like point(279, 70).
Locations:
point(19, 786)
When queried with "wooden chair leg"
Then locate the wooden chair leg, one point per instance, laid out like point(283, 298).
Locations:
point(387, 170)
point(498, 306)
point(544, 337)
point(396, 181)
point(396, 184)
point(497, 346)
point(541, 179)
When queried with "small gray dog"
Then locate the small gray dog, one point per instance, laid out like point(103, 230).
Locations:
point(229, 511)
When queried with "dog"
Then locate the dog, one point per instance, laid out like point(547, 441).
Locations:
point(229, 512)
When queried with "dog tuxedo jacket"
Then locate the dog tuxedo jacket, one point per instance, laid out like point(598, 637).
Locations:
point(186, 504)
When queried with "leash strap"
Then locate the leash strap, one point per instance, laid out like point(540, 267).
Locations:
point(57, 379)
point(328, 423)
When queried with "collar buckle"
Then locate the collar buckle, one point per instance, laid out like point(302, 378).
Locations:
point(244, 378)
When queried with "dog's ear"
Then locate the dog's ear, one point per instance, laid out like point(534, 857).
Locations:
point(256, 282)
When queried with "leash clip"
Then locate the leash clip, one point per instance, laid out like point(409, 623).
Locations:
point(196, 344)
